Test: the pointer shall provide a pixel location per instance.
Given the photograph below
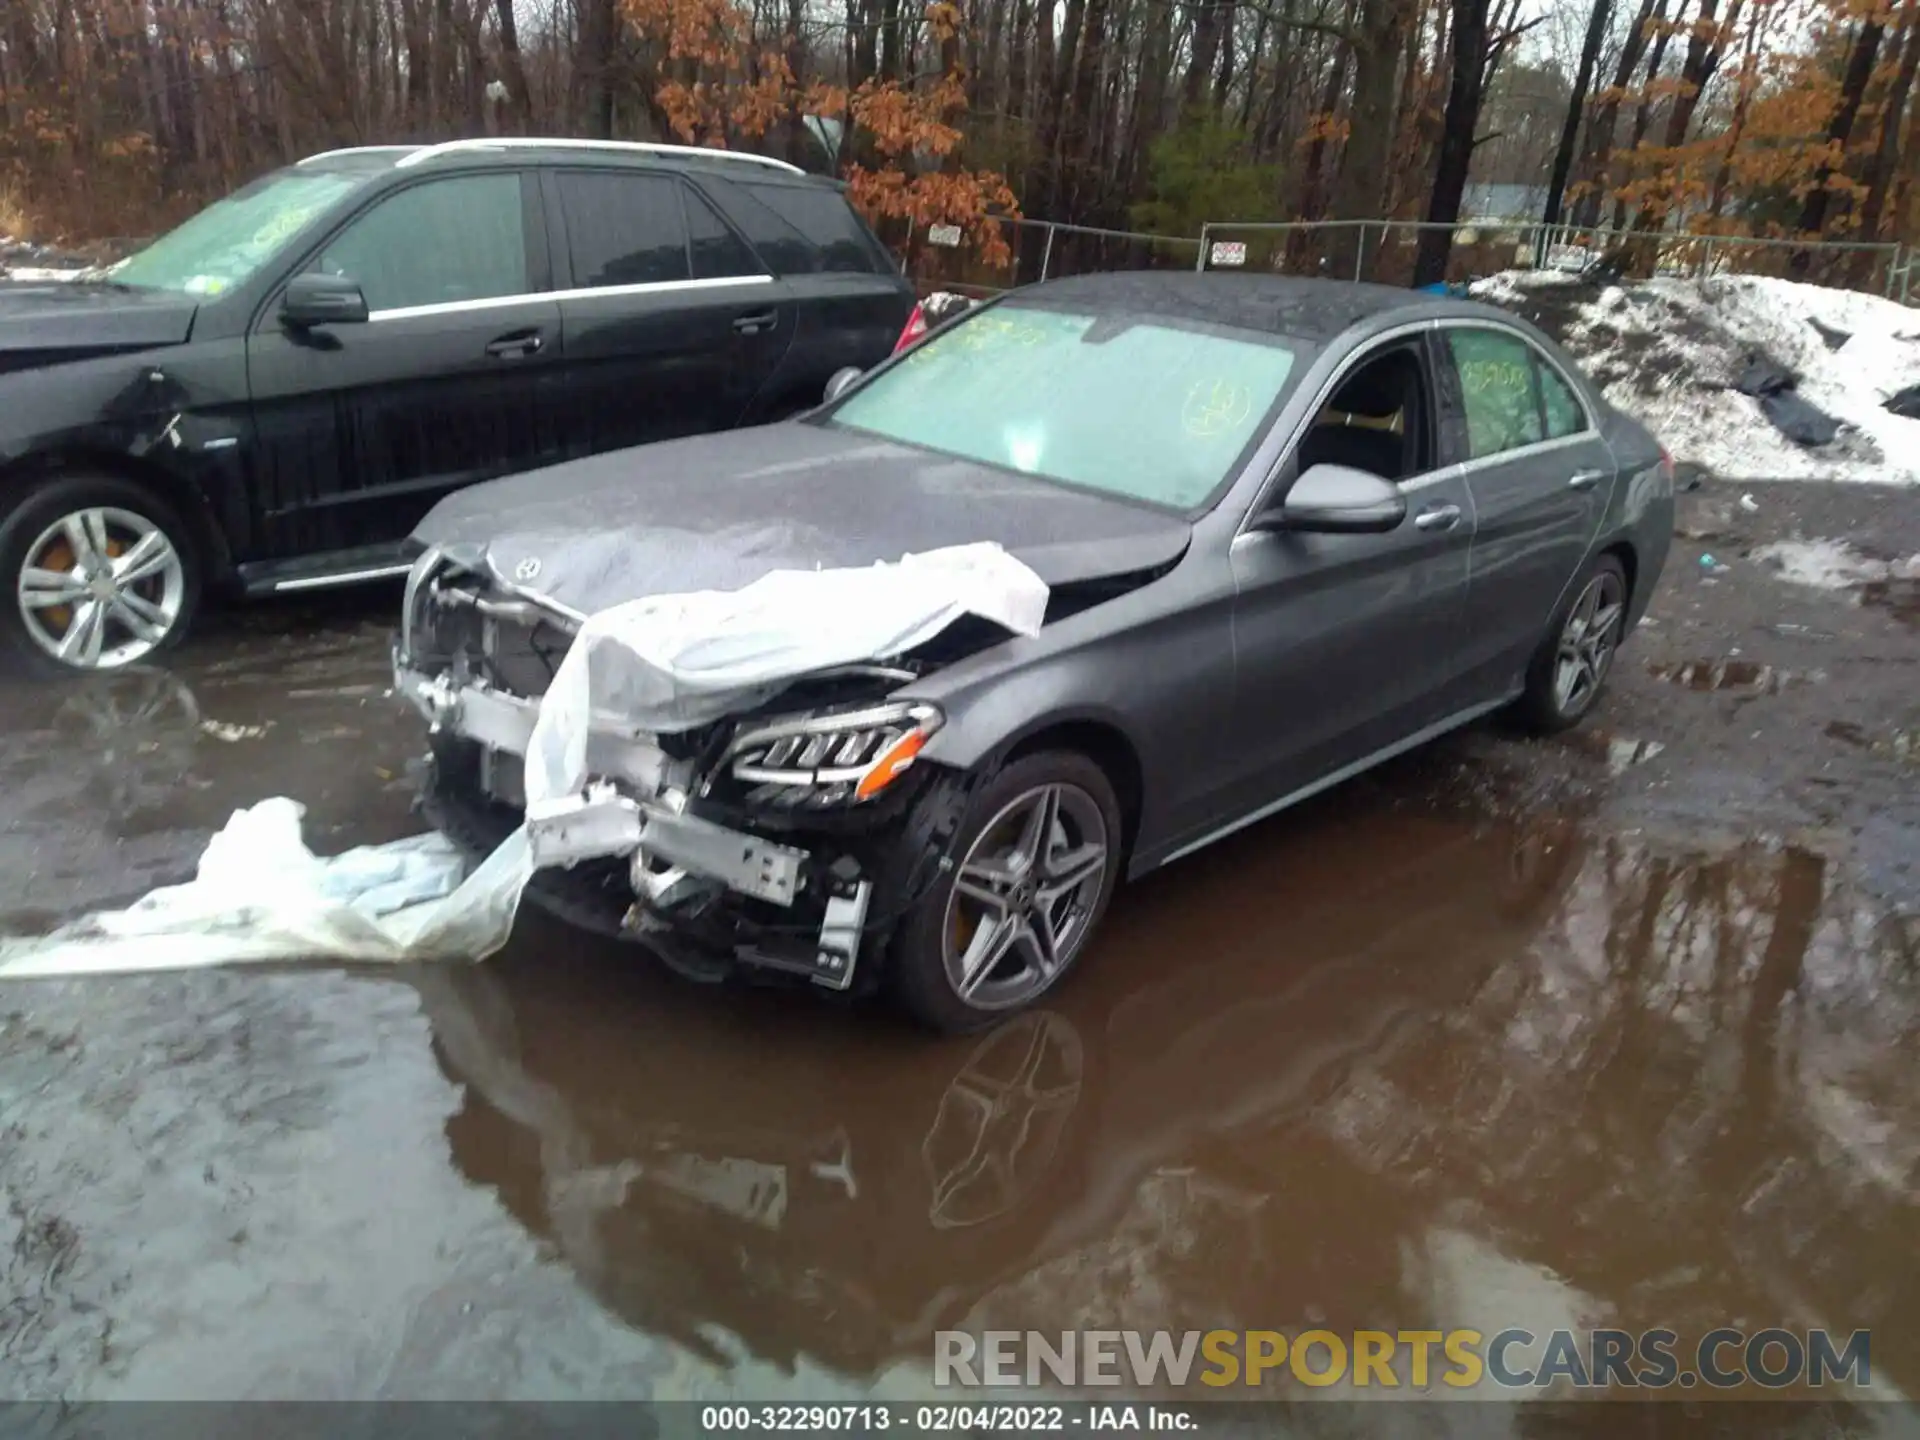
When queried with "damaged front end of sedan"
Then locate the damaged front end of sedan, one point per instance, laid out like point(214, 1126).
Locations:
point(778, 836)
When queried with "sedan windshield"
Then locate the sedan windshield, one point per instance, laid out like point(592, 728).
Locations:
point(1148, 407)
point(227, 242)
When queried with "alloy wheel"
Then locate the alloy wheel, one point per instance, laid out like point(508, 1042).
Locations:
point(1024, 899)
point(1587, 642)
point(101, 588)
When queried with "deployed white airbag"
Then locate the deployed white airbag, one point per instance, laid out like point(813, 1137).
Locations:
point(659, 664)
point(671, 662)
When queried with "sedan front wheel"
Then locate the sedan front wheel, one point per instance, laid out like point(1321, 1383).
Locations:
point(1036, 858)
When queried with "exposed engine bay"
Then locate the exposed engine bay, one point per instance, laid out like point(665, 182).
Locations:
point(775, 836)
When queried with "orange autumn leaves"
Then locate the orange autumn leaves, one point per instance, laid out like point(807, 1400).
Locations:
point(719, 81)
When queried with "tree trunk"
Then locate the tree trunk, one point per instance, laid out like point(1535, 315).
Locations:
point(1455, 160)
point(1313, 166)
point(1150, 98)
point(1884, 165)
point(1597, 22)
point(1207, 16)
point(1744, 89)
point(893, 41)
point(598, 22)
point(1853, 91)
point(1361, 183)
point(1643, 113)
point(1017, 59)
point(1704, 48)
point(513, 70)
point(1600, 133)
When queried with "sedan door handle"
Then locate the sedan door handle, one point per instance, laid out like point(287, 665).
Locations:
point(1440, 517)
point(516, 346)
point(754, 324)
point(1585, 479)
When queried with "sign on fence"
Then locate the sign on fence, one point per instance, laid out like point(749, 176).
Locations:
point(1228, 252)
point(948, 235)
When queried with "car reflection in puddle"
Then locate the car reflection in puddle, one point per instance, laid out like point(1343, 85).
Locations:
point(1353, 1068)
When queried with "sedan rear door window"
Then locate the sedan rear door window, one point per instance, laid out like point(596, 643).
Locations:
point(623, 228)
point(1499, 390)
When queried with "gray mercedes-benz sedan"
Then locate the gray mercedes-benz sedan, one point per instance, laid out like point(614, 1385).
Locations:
point(1289, 529)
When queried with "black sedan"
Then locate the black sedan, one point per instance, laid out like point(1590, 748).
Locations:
point(1290, 528)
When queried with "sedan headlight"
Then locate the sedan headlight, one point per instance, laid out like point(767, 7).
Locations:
point(840, 757)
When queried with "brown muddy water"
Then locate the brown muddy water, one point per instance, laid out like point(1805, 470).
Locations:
point(1398, 1059)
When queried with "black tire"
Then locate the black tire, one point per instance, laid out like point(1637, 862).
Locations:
point(1546, 706)
point(917, 972)
point(172, 594)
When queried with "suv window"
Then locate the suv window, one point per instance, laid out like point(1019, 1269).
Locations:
point(462, 238)
point(800, 229)
point(1499, 390)
point(717, 251)
point(826, 220)
point(623, 229)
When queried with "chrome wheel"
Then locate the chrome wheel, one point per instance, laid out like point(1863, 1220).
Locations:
point(1025, 897)
point(1587, 642)
point(101, 588)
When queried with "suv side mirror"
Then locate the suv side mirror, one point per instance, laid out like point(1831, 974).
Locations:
point(1338, 500)
point(841, 379)
point(315, 299)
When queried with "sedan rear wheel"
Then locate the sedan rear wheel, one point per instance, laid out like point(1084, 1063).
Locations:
point(1572, 664)
point(1039, 855)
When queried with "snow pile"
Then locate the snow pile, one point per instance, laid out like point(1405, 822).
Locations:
point(1669, 352)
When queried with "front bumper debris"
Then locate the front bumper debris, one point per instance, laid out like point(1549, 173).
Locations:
point(676, 863)
point(604, 822)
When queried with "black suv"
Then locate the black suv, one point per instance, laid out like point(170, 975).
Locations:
point(270, 396)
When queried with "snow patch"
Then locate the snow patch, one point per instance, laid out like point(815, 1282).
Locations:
point(1668, 351)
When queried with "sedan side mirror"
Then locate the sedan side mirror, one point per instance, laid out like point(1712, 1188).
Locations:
point(1338, 500)
point(316, 299)
point(842, 378)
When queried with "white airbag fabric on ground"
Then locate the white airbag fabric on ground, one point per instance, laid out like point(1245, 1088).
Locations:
point(671, 662)
point(659, 664)
point(260, 894)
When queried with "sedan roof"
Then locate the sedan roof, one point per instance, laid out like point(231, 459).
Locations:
point(1306, 308)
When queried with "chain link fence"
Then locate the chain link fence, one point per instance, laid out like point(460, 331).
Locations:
point(941, 258)
point(1388, 252)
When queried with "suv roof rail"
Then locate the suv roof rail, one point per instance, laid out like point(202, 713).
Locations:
point(359, 150)
point(504, 142)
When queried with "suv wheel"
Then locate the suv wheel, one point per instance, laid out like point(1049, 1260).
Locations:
point(100, 572)
point(1038, 853)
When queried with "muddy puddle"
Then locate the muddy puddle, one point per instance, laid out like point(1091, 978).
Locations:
point(1365, 1065)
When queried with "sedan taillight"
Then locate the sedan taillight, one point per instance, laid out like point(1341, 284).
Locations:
point(915, 328)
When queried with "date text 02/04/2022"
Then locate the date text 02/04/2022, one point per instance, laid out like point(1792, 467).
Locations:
point(940, 1418)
